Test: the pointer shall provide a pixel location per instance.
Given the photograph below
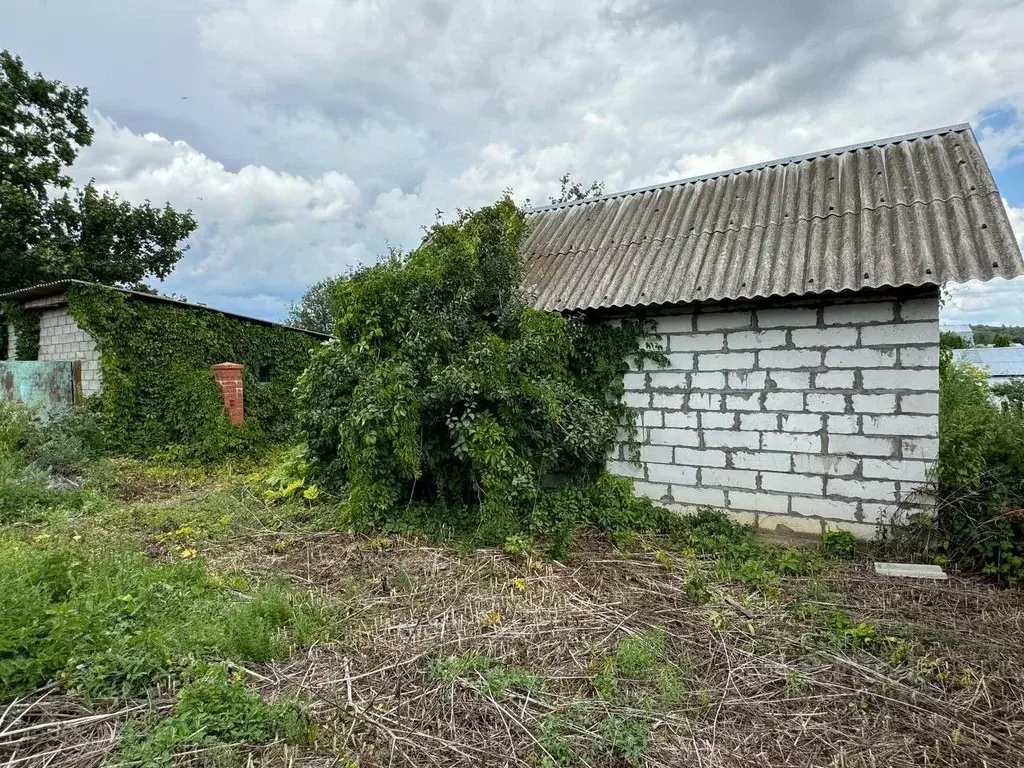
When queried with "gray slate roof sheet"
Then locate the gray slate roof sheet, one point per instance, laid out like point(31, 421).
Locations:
point(913, 210)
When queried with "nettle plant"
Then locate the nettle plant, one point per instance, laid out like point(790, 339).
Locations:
point(445, 396)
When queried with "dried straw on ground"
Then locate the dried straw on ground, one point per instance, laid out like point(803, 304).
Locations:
point(756, 683)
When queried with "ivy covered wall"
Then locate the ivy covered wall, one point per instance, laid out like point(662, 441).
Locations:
point(158, 390)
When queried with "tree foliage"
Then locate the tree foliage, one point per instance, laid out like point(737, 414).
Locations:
point(50, 230)
point(1002, 340)
point(313, 311)
point(572, 190)
point(951, 340)
point(443, 387)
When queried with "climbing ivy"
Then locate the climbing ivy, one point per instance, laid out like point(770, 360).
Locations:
point(158, 391)
point(444, 388)
point(26, 328)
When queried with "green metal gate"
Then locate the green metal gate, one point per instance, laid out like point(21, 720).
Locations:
point(45, 383)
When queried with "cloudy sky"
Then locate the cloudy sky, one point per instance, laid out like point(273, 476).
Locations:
point(308, 135)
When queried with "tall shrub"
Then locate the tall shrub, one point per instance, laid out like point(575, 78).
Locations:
point(980, 474)
point(443, 386)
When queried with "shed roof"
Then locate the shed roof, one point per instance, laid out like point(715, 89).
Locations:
point(61, 286)
point(998, 361)
point(914, 210)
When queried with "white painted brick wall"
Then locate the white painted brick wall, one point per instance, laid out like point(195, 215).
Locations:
point(804, 416)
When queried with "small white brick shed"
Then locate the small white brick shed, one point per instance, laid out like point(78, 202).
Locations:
point(797, 302)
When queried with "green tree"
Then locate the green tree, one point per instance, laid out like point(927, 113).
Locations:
point(572, 190)
point(50, 230)
point(1002, 340)
point(313, 312)
point(951, 340)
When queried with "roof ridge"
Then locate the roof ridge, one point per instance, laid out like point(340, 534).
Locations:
point(955, 128)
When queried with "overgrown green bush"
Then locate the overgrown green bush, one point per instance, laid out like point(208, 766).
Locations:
point(443, 388)
point(980, 475)
point(110, 622)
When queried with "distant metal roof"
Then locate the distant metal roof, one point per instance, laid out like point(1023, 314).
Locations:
point(998, 361)
point(913, 210)
point(60, 286)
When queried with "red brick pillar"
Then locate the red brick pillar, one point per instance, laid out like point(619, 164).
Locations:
point(229, 377)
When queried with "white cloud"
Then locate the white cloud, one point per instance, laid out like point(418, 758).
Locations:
point(318, 130)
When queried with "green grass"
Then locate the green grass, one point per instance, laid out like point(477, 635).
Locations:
point(110, 622)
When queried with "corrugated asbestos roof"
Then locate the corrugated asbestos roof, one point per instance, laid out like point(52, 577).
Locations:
point(914, 210)
point(60, 286)
point(998, 361)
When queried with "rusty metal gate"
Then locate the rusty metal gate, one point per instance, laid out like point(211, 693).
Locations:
point(45, 383)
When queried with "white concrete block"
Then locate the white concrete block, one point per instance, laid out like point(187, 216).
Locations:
point(920, 447)
point(925, 379)
point(702, 497)
point(855, 445)
point(723, 361)
point(668, 401)
point(625, 469)
point(687, 437)
point(717, 420)
point(824, 337)
point(697, 457)
point(715, 321)
point(681, 420)
point(708, 380)
point(825, 403)
point(722, 438)
point(802, 422)
point(748, 380)
point(872, 513)
point(873, 490)
point(842, 424)
point(860, 358)
point(653, 491)
point(745, 402)
point(790, 379)
point(897, 469)
point(636, 399)
point(672, 473)
point(834, 380)
point(760, 421)
point(859, 314)
point(817, 464)
point(903, 333)
point(920, 309)
point(701, 401)
point(784, 401)
point(874, 403)
point(832, 508)
point(789, 358)
point(926, 402)
point(680, 361)
point(756, 339)
point(790, 317)
point(759, 502)
point(773, 462)
point(729, 478)
point(635, 381)
point(674, 324)
point(696, 342)
point(785, 441)
point(668, 380)
point(919, 357)
point(788, 482)
point(657, 454)
point(924, 426)
point(651, 418)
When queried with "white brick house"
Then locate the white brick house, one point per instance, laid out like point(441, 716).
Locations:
point(797, 302)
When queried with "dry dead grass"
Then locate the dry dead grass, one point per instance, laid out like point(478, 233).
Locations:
point(752, 677)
